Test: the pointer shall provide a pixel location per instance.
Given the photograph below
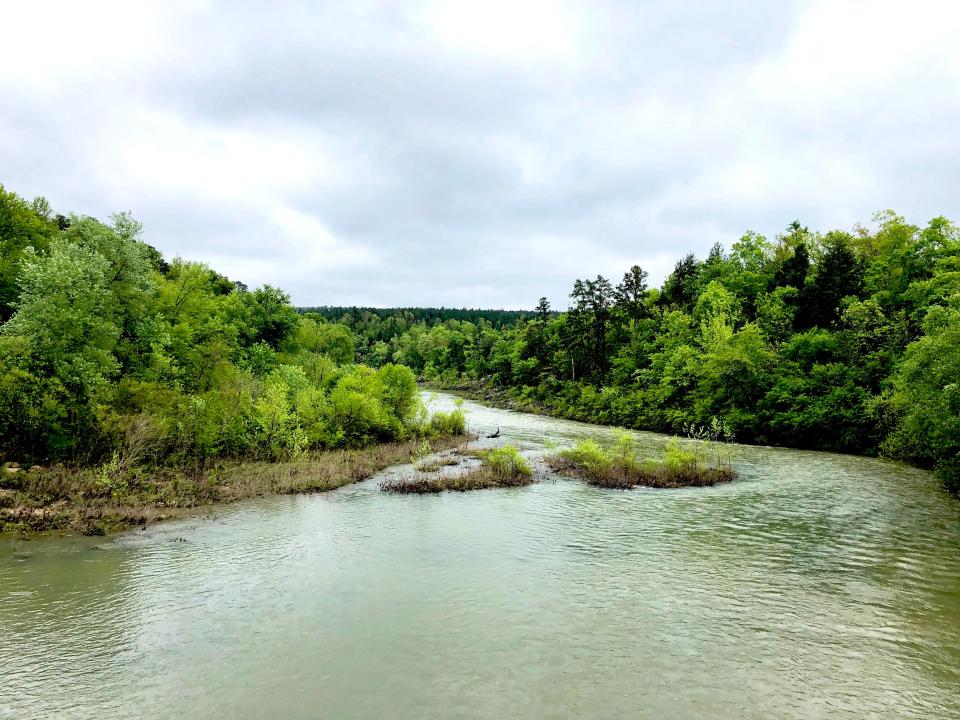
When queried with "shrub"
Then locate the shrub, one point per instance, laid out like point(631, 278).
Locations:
point(587, 453)
point(506, 462)
point(679, 457)
point(399, 390)
point(358, 417)
point(448, 423)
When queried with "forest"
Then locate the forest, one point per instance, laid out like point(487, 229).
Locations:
point(391, 321)
point(843, 340)
point(110, 353)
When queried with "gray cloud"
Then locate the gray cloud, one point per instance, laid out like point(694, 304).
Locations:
point(462, 153)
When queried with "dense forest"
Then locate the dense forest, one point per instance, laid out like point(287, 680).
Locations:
point(841, 340)
point(374, 328)
point(844, 341)
point(109, 351)
point(359, 316)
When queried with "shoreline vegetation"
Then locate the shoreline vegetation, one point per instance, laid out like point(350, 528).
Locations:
point(131, 384)
point(78, 500)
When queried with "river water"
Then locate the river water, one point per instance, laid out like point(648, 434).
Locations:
point(815, 586)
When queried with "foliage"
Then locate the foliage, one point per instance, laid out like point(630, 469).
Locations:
point(22, 225)
point(693, 462)
point(453, 422)
point(840, 340)
point(587, 453)
point(107, 349)
point(926, 396)
point(506, 463)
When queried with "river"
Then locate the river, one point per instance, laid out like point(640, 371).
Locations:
point(817, 585)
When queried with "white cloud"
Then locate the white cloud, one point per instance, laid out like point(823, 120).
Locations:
point(466, 153)
point(506, 30)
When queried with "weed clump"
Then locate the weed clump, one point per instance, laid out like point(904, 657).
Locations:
point(430, 466)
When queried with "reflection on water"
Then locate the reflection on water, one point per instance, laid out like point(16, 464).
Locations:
point(817, 585)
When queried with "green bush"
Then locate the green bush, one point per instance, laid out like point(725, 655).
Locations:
point(587, 453)
point(679, 456)
point(506, 462)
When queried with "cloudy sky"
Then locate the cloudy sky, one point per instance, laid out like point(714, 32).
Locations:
point(477, 153)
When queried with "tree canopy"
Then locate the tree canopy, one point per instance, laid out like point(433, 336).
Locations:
point(107, 348)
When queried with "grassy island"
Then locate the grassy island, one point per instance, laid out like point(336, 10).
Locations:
point(694, 463)
point(500, 467)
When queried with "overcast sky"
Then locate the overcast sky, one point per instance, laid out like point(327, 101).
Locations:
point(477, 153)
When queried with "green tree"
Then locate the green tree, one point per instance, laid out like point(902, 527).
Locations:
point(839, 274)
point(63, 332)
point(926, 396)
point(331, 339)
point(631, 294)
point(680, 288)
point(21, 227)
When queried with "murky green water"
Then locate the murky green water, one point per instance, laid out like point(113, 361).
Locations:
point(816, 586)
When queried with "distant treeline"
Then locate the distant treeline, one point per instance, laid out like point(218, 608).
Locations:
point(430, 316)
point(374, 329)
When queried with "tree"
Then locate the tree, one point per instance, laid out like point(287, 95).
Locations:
point(543, 310)
point(270, 317)
point(129, 277)
point(776, 314)
point(399, 390)
point(733, 379)
point(749, 278)
point(593, 300)
point(536, 335)
point(680, 288)
point(715, 267)
point(839, 274)
point(62, 334)
point(793, 270)
point(331, 339)
point(631, 293)
point(21, 226)
point(926, 396)
point(717, 312)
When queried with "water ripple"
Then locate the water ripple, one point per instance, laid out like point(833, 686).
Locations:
point(817, 585)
